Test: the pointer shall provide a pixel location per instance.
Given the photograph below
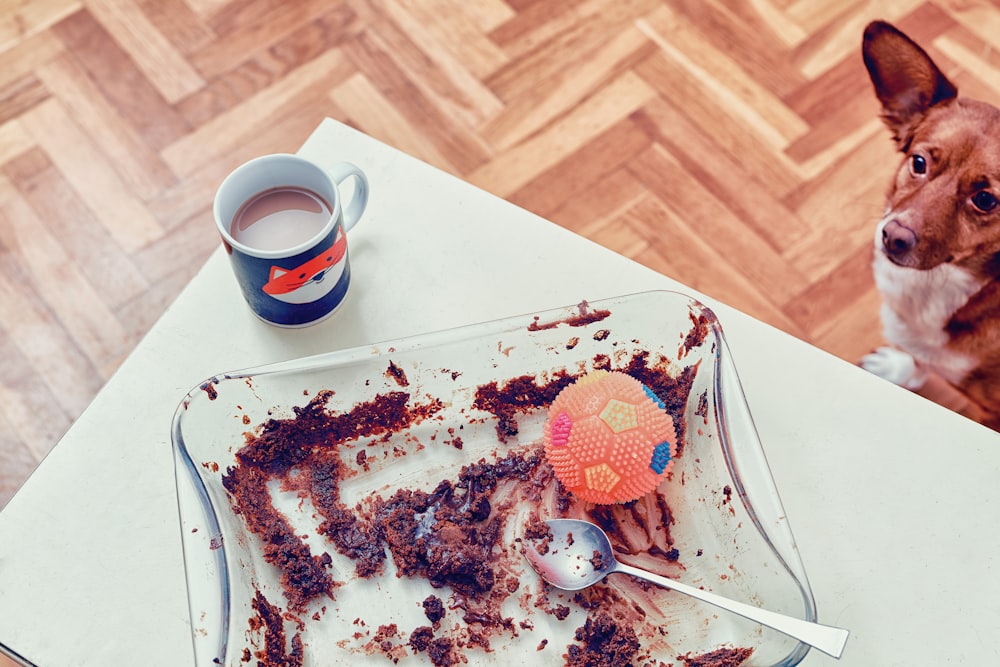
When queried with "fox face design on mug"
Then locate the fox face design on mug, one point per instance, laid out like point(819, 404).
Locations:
point(311, 280)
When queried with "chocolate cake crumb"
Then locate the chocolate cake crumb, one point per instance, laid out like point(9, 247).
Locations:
point(269, 618)
point(702, 409)
point(588, 316)
point(672, 555)
point(603, 642)
point(309, 578)
point(538, 534)
point(433, 608)
point(350, 535)
point(396, 373)
point(421, 638)
point(518, 395)
point(455, 441)
point(440, 652)
point(537, 326)
point(446, 536)
point(702, 326)
point(723, 657)
point(285, 443)
point(384, 642)
point(602, 362)
point(583, 317)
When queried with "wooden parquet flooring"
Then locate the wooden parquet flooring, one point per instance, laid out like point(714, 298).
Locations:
point(733, 145)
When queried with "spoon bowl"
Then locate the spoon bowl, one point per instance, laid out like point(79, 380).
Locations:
point(577, 554)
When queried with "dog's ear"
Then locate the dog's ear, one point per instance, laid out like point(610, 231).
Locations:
point(906, 80)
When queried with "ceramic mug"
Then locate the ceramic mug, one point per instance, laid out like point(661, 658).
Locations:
point(284, 225)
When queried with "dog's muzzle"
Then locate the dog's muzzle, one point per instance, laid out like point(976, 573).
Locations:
point(898, 240)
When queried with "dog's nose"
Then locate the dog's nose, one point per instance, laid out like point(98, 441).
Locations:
point(898, 239)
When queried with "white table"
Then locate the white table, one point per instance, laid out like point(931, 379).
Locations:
point(891, 499)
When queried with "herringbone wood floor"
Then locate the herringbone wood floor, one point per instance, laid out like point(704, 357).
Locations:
point(733, 145)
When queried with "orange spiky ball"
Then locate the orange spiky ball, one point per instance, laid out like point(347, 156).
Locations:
point(608, 438)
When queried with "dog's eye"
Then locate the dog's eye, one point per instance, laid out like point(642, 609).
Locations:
point(918, 165)
point(984, 201)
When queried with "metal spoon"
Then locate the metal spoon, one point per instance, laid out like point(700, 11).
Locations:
point(579, 555)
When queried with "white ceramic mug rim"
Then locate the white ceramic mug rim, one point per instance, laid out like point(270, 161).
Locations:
point(284, 252)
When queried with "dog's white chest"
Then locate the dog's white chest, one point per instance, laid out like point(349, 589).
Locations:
point(916, 305)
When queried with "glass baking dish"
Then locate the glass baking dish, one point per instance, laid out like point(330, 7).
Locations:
point(729, 532)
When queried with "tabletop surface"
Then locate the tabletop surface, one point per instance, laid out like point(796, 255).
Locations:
point(889, 497)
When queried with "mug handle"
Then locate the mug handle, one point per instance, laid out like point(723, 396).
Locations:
point(340, 172)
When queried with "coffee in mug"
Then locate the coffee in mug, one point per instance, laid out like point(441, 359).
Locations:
point(279, 218)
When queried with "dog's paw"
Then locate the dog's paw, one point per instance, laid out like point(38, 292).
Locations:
point(895, 366)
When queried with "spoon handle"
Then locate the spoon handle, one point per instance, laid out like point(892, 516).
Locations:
point(826, 638)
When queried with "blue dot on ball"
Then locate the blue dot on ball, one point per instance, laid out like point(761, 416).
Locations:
point(653, 397)
point(661, 457)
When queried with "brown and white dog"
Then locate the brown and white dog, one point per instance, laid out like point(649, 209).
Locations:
point(937, 246)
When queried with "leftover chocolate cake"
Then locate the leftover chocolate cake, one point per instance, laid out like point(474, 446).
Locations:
point(722, 657)
point(603, 642)
point(275, 651)
point(459, 534)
